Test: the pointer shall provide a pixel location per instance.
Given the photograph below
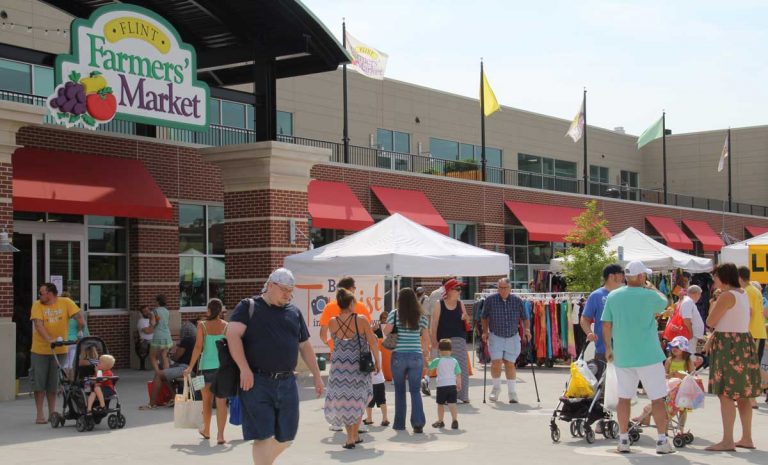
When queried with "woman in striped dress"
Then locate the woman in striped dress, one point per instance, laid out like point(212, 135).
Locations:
point(349, 389)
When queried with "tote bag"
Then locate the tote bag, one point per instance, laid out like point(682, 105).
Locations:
point(676, 326)
point(187, 412)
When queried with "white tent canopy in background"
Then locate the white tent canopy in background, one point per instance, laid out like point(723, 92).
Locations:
point(397, 246)
point(738, 253)
point(654, 254)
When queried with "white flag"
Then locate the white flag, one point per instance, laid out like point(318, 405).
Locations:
point(724, 155)
point(366, 60)
point(577, 125)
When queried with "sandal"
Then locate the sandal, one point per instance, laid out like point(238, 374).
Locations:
point(385, 423)
point(148, 407)
point(366, 422)
point(348, 446)
point(204, 436)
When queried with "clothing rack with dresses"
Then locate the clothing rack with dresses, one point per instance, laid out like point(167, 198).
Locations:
point(554, 324)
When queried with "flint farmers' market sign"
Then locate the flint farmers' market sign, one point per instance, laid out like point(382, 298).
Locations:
point(128, 62)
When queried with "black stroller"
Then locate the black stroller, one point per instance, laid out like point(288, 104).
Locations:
point(74, 390)
point(582, 413)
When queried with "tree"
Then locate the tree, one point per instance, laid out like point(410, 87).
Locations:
point(584, 264)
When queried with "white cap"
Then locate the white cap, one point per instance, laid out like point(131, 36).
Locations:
point(280, 276)
point(635, 268)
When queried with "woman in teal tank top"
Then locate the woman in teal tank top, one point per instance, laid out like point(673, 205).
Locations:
point(210, 330)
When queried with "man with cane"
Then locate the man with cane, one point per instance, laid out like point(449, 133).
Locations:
point(502, 314)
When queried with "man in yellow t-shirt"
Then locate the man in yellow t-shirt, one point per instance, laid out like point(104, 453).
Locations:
point(50, 317)
point(332, 310)
point(756, 319)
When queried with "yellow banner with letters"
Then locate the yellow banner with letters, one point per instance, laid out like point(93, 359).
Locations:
point(758, 263)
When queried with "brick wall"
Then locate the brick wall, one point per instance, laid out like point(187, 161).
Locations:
point(6, 224)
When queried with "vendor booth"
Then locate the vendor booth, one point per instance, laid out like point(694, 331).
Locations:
point(738, 253)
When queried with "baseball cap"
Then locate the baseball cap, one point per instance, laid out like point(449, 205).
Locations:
point(452, 284)
point(635, 268)
point(613, 268)
point(281, 276)
point(681, 342)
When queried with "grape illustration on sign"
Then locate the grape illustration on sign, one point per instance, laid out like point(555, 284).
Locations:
point(127, 62)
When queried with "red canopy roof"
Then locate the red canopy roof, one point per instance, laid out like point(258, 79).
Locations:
point(333, 205)
point(413, 205)
point(75, 183)
point(672, 234)
point(709, 239)
point(756, 230)
point(547, 223)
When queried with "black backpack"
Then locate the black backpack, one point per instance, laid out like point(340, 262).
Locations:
point(227, 382)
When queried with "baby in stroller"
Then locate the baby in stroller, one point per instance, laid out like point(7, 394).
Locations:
point(102, 385)
point(679, 365)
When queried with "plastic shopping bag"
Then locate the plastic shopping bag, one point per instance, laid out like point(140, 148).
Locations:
point(578, 387)
point(611, 388)
point(690, 395)
point(234, 411)
point(586, 372)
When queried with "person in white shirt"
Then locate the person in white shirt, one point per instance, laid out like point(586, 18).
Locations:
point(692, 317)
point(145, 326)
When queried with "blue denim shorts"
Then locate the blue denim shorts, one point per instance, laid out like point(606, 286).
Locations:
point(507, 348)
point(270, 408)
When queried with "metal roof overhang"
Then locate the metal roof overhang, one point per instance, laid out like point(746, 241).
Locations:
point(232, 36)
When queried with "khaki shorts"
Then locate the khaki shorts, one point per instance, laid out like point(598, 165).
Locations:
point(44, 372)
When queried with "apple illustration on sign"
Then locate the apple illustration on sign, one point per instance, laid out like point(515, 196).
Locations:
point(88, 100)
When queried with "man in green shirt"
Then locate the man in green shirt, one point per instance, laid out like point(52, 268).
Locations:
point(632, 345)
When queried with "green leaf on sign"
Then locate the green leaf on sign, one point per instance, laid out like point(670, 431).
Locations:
point(88, 119)
point(74, 76)
point(95, 73)
point(61, 115)
point(74, 118)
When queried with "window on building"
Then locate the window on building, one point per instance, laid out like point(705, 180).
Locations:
point(598, 180)
point(42, 80)
point(466, 233)
point(526, 257)
point(107, 263)
point(444, 149)
point(450, 150)
point(214, 111)
point(284, 123)
point(394, 141)
point(629, 185)
point(321, 237)
point(201, 254)
point(546, 173)
point(15, 76)
point(232, 114)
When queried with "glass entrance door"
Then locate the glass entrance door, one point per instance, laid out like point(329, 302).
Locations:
point(64, 265)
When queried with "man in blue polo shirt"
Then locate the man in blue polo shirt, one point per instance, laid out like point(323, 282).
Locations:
point(613, 278)
point(266, 346)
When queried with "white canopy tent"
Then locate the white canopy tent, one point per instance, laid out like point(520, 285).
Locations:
point(655, 255)
point(738, 253)
point(398, 246)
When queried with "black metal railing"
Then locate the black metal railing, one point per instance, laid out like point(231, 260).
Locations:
point(218, 135)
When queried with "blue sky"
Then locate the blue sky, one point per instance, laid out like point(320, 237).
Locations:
point(704, 62)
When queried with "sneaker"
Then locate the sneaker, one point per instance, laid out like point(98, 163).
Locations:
point(513, 397)
point(665, 447)
point(623, 446)
point(425, 387)
point(335, 428)
point(438, 424)
point(455, 424)
point(494, 395)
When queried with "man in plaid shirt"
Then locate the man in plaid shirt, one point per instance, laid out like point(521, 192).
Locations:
point(502, 313)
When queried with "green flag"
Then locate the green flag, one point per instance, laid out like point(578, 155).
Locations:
point(652, 133)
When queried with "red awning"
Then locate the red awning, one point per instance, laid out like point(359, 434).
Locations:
point(672, 234)
point(709, 239)
point(547, 223)
point(413, 205)
point(756, 230)
point(333, 205)
point(74, 183)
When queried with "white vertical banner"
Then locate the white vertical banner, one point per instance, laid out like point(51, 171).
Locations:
point(366, 60)
point(313, 293)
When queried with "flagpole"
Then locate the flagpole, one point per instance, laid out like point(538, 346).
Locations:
point(730, 154)
point(345, 134)
point(482, 122)
point(586, 177)
point(664, 150)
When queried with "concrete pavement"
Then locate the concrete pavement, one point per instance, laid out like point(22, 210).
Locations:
point(492, 432)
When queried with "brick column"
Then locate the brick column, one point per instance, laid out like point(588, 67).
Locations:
point(13, 116)
point(265, 189)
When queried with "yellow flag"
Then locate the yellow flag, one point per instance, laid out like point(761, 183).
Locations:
point(491, 105)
